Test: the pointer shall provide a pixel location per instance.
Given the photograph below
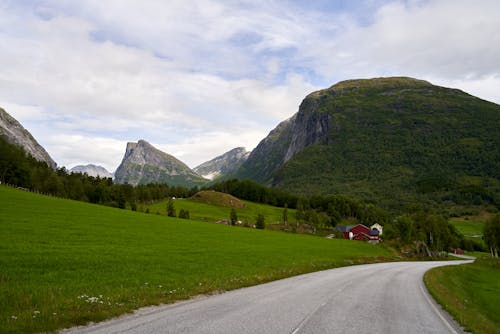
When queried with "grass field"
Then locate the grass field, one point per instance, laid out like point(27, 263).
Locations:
point(213, 213)
point(66, 263)
point(468, 228)
point(470, 292)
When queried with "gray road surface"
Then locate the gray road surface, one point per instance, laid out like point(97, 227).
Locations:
point(375, 298)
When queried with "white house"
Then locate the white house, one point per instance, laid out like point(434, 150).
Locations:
point(377, 227)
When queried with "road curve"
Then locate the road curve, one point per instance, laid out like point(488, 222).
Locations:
point(374, 298)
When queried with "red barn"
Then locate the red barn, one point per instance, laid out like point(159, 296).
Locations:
point(359, 232)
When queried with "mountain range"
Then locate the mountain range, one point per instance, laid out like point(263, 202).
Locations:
point(391, 141)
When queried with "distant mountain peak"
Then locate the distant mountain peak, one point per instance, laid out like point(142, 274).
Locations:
point(17, 135)
point(224, 164)
point(92, 170)
point(143, 163)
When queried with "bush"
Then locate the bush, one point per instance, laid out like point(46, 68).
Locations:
point(184, 214)
point(261, 223)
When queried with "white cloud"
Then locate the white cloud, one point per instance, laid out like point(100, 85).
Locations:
point(454, 41)
point(70, 150)
point(197, 150)
point(201, 77)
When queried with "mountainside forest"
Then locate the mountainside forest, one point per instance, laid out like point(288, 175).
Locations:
point(390, 141)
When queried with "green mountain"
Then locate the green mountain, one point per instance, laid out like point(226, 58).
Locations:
point(144, 164)
point(393, 141)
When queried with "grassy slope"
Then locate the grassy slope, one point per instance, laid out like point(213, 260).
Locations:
point(471, 293)
point(213, 213)
point(56, 254)
point(468, 228)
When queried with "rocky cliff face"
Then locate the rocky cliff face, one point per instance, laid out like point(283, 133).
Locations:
point(17, 135)
point(92, 170)
point(144, 164)
point(224, 164)
point(308, 128)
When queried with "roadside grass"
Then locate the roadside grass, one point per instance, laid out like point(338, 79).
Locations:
point(66, 263)
point(213, 213)
point(478, 255)
point(470, 293)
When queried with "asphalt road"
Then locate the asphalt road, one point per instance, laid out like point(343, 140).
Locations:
point(375, 298)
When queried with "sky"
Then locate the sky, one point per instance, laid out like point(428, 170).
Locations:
point(198, 78)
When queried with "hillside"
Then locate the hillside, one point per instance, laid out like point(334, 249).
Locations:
point(13, 132)
point(394, 141)
point(217, 198)
point(143, 163)
point(60, 259)
point(213, 206)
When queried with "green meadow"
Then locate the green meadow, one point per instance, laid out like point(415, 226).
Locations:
point(470, 229)
point(66, 263)
point(470, 293)
point(213, 213)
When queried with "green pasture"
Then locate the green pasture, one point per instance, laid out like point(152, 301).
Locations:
point(468, 228)
point(66, 263)
point(213, 213)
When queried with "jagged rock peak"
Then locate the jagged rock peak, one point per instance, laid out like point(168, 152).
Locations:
point(224, 164)
point(92, 170)
point(143, 163)
point(17, 135)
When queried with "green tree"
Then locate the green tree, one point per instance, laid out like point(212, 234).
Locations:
point(122, 200)
point(233, 217)
point(491, 234)
point(285, 214)
point(300, 213)
point(261, 222)
point(170, 208)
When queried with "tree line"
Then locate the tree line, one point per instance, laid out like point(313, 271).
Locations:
point(19, 169)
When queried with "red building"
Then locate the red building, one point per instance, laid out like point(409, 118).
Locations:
point(359, 232)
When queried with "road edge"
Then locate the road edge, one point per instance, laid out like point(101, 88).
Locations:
point(445, 317)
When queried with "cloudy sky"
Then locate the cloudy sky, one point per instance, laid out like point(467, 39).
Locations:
point(197, 78)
